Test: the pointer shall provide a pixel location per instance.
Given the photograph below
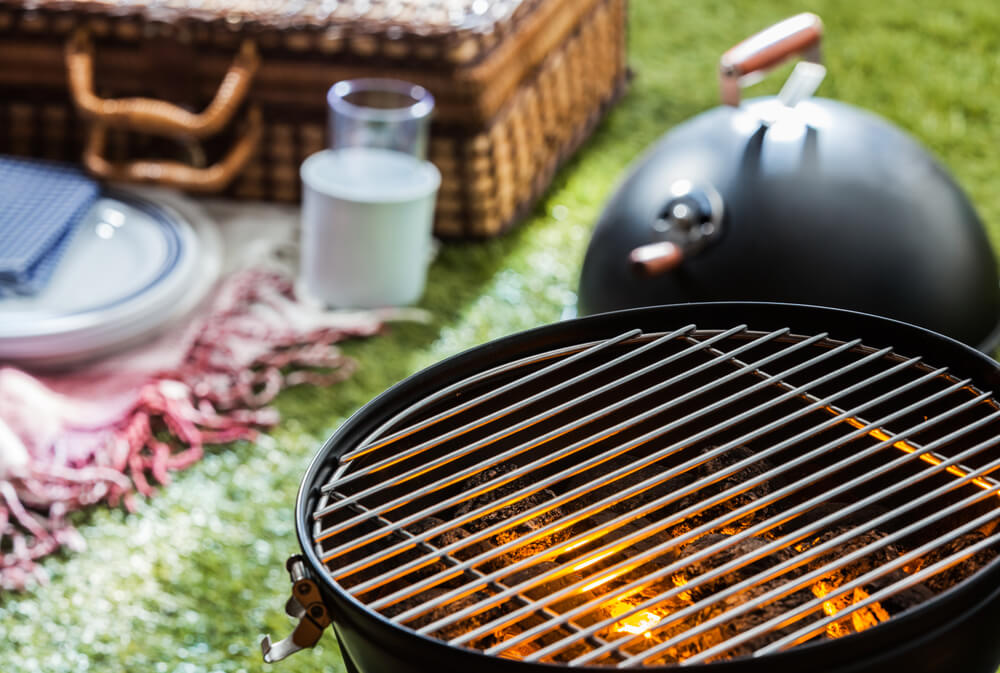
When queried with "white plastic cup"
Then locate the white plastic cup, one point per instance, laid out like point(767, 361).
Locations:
point(367, 217)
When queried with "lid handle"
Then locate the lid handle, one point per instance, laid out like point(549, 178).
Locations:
point(747, 62)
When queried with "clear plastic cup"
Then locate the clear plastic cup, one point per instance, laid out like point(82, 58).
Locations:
point(380, 113)
point(368, 201)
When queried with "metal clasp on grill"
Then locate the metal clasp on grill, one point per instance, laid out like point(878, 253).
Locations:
point(307, 606)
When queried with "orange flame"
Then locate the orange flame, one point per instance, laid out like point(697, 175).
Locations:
point(861, 619)
point(679, 581)
point(641, 622)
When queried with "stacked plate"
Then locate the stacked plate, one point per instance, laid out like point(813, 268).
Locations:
point(132, 268)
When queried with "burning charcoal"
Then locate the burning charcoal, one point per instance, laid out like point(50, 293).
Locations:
point(643, 621)
point(457, 628)
point(723, 556)
point(449, 537)
point(748, 620)
point(855, 620)
point(412, 602)
point(547, 637)
point(874, 613)
point(660, 610)
point(596, 478)
point(823, 510)
point(538, 592)
point(433, 566)
point(910, 597)
point(601, 522)
point(510, 511)
point(551, 585)
point(515, 652)
point(425, 524)
point(862, 618)
point(634, 623)
point(845, 573)
point(958, 572)
point(737, 501)
point(657, 491)
point(712, 609)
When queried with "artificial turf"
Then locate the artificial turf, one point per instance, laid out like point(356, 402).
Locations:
point(191, 581)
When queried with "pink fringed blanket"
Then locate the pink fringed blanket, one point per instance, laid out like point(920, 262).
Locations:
point(101, 433)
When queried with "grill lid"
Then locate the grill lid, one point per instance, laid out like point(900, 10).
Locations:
point(668, 497)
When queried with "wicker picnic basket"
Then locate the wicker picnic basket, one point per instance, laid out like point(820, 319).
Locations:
point(519, 84)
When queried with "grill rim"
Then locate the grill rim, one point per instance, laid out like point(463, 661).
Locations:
point(353, 619)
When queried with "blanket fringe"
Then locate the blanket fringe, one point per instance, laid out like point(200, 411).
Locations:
point(253, 342)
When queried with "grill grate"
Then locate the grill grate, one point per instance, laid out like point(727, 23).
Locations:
point(674, 497)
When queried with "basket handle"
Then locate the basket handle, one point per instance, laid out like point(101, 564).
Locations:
point(153, 116)
point(171, 173)
point(746, 63)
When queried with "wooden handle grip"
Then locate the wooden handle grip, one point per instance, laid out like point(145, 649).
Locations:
point(153, 116)
point(171, 173)
point(655, 259)
point(798, 35)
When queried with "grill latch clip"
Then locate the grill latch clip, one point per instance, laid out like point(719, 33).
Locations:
point(307, 606)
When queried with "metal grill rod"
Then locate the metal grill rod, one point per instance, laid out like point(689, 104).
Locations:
point(811, 397)
point(912, 580)
point(475, 446)
point(691, 488)
point(499, 413)
point(530, 444)
point(785, 541)
point(770, 573)
point(628, 564)
point(576, 352)
point(812, 605)
point(523, 598)
point(632, 467)
point(687, 465)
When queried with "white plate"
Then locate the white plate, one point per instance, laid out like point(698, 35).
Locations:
point(131, 267)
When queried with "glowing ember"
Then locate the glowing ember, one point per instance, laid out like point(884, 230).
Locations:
point(861, 619)
point(638, 623)
point(679, 581)
point(836, 629)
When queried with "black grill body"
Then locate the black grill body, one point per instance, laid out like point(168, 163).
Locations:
point(954, 631)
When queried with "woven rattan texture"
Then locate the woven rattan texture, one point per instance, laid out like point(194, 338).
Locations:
point(494, 163)
point(450, 32)
point(490, 177)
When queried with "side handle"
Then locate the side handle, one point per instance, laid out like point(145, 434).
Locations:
point(306, 605)
point(156, 116)
point(206, 180)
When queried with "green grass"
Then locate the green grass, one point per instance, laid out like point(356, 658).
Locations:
point(190, 581)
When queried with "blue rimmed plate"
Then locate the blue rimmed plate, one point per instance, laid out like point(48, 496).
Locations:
point(131, 266)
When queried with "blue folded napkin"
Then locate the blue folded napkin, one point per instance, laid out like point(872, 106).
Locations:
point(41, 203)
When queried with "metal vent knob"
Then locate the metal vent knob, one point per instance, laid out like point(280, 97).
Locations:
point(688, 222)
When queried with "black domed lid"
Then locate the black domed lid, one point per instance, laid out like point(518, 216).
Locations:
point(826, 205)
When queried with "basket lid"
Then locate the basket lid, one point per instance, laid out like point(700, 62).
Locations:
point(465, 29)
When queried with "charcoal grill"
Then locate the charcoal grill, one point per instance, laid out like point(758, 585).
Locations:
point(728, 487)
